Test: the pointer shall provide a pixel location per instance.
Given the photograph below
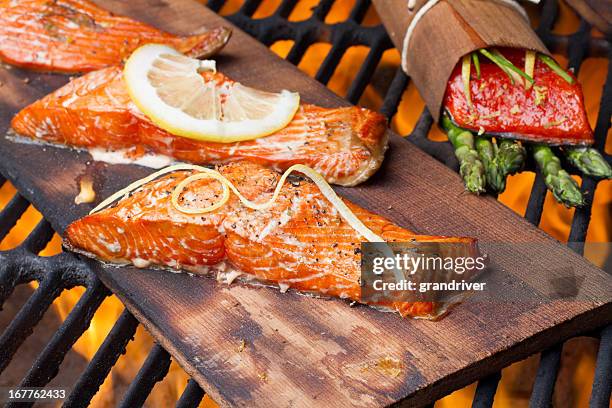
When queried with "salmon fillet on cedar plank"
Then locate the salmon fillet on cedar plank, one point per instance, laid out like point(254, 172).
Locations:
point(346, 145)
point(73, 36)
point(302, 242)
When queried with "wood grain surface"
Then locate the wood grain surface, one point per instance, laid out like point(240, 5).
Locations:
point(300, 351)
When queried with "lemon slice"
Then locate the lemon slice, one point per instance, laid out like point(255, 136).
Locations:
point(186, 97)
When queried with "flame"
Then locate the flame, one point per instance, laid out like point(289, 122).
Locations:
point(556, 219)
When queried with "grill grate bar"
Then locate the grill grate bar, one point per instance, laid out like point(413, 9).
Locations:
point(249, 7)
point(366, 72)
point(605, 111)
point(39, 237)
point(152, 371)
point(544, 384)
point(331, 61)
point(394, 94)
point(304, 33)
point(192, 395)
point(550, 13)
point(341, 39)
point(485, 391)
point(441, 151)
point(47, 364)
point(578, 44)
point(286, 7)
point(215, 5)
point(106, 357)
point(301, 44)
point(359, 10)
point(11, 214)
point(535, 205)
point(310, 28)
point(322, 9)
point(582, 216)
point(602, 383)
point(22, 326)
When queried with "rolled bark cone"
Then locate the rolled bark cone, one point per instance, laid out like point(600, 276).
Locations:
point(447, 32)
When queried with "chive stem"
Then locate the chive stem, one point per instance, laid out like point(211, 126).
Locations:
point(466, 67)
point(552, 64)
point(530, 57)
point(512, 67)
point(505, 64)
point(496, 61)
point(476, 61)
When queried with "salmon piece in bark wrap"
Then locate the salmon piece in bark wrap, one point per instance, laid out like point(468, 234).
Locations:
point(551, 110)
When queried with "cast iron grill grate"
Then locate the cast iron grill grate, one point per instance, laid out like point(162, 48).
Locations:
point(54, 274)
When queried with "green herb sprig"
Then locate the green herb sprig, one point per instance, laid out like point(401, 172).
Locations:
point(476, 61)
point(508, 67)
point(552, 64)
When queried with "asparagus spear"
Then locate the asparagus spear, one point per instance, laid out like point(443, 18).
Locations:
point(471, 168)
point(487, 151)
point(589, 161)
point(563, 187)
point(510, 157)
point(500, 160)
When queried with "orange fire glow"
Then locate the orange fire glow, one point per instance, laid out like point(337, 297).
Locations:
point(555, 221)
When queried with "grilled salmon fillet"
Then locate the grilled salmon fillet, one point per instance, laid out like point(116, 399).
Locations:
point(345, 145)
point(302, 242)
point(551, 111)
point(73, 36)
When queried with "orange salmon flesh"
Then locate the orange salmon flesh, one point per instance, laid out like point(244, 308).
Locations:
point(74, 36)
point(346, 145)
point(301, 243)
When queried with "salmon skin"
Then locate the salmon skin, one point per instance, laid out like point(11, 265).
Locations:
point(345, 145)
point(551, 111)
point(302, 242)
point(75, 36)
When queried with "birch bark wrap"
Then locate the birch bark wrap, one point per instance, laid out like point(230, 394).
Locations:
point(447, 32)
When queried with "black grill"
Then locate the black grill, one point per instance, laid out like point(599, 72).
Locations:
point(54, 274)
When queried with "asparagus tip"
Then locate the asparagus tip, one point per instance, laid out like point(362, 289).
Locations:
point(589, 161)
point(559, 182)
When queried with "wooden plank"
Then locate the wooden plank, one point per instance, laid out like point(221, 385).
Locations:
point(301, 351)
